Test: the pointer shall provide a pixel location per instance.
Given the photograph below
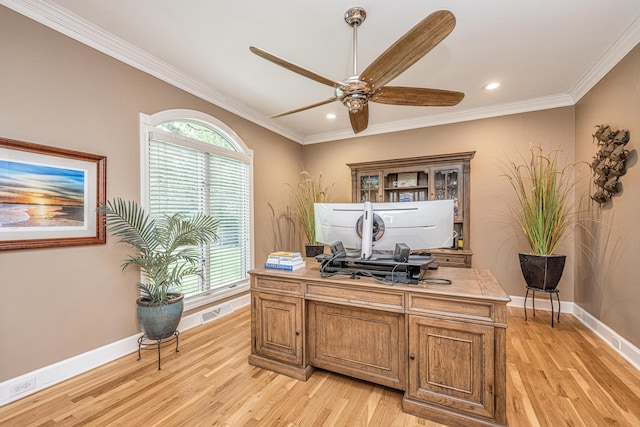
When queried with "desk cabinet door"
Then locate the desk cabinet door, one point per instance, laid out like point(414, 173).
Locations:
point(362, 343)
point(278, 327)
point(451, 363)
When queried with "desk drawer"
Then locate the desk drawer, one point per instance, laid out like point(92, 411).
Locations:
point(370, 298)
point(458, 308)
point(293, 287)
point(451, 260)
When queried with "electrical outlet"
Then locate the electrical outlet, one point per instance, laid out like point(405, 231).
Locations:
point(22, 386)
point(615, 342)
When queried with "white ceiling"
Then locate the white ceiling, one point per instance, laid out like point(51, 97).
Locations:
point(546, 53)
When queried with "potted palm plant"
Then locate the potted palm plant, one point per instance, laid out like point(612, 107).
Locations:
point(544, 213)
point(166, 251)
point(304, 195)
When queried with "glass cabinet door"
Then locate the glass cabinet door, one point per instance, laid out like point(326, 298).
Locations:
point(369, 187)
point(446, 183)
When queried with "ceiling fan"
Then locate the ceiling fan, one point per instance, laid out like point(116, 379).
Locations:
point(356, 91)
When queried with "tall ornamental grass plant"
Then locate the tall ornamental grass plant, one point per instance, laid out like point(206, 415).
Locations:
point(545, 198)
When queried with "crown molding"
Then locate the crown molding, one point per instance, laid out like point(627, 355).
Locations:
point(61, 20)
point(525, 106)
point(610, 59)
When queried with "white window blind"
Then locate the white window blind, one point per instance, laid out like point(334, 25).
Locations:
point(192, 176)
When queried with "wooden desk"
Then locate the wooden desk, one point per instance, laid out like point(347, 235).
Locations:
point(443, 345)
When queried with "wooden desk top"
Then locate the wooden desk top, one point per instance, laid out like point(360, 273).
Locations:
point(469, 282)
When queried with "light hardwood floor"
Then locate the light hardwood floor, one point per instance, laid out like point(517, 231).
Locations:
point(565, 376)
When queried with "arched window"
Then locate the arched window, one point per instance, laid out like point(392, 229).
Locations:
point(194, 163)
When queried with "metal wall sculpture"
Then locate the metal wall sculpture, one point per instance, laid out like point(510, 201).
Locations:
point(608, 164)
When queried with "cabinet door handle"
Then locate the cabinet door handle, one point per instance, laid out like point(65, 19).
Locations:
point(412, 357)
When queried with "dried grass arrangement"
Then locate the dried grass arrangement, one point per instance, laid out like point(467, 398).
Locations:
point(308, 191)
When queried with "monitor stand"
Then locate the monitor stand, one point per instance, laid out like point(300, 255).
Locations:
point(381, 266)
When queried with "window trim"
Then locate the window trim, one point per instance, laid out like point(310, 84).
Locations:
point(148, 125)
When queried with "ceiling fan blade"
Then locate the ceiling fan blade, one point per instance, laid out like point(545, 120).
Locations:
point(295, 68)
point(421, 97)
point(308, 107)
point(412, 46)
point(359, 121)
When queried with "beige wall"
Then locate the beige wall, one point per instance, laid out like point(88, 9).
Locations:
point(607, 285)
point(58, 303)
point(494, 240)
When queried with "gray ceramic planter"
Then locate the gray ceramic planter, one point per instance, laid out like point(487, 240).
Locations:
point(160, 321)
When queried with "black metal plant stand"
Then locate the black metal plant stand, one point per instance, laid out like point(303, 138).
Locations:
point(145, 343)
point(550, 292)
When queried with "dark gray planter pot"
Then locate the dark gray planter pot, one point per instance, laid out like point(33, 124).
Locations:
point(160, 321)
point(313, 250)
point(542, 271)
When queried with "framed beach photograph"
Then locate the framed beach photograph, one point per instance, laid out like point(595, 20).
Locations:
point(49, 196)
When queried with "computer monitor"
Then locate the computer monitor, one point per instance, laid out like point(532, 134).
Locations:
point(379, 226)
point(337, 222)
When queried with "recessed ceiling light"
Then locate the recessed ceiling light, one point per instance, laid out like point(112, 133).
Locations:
point(491, 86)
point(331, 116)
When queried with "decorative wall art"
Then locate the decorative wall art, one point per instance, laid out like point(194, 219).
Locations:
point(608, 164)
point(49, 196)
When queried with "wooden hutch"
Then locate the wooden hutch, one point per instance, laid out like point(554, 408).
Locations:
point(437, 177)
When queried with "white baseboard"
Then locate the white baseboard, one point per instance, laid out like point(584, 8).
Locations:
point(228, 307)
point(542, 303)
point(627, 350)
point(29, 383)
point(61, 371)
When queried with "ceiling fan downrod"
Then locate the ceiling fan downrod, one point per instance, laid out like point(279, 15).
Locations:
point(355, 16)
point(356, 96)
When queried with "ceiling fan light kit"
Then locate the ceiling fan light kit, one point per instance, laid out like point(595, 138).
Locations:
point(355, 92)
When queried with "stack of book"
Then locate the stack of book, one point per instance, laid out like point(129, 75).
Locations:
point(285, 260)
